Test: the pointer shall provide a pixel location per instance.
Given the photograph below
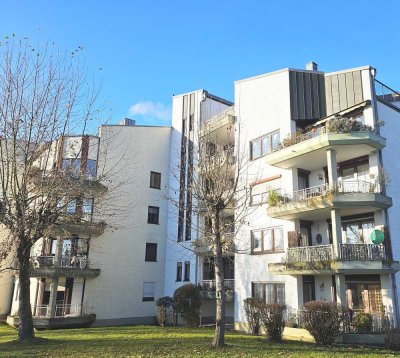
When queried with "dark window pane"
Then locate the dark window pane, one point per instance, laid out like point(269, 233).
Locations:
point(151, 252)
point(91, 168)
point(179, 271)
point(153, 215)
point(187, 271)
point(155, 180)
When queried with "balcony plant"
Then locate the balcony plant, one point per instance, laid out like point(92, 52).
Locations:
point(274, 198)
point(341, 124)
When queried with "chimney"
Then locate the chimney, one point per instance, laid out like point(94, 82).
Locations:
point(312, 66)
point(127, 122)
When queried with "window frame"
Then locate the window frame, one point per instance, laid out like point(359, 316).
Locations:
point(150, 215)
point(186, 275)
point(148, 298)
point(179, 269)
point(260, 141)
point(274, 248)
point(154, 182)
point(150, 246)
point(264, 291)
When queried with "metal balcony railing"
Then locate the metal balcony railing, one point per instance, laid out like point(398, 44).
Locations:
point(80, 262)
point(339, 187)
point(209, 285)
point(309, 254)
point(387, 94)
point(61, 310)
point(362, 252)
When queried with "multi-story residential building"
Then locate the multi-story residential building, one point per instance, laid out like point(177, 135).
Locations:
point(320, 223)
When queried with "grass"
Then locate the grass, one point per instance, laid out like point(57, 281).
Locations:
point(149, 341)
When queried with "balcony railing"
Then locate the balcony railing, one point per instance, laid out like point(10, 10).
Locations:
point(209, 285)
point(309, 254)
point(80, 262)
point(387, 94)
point(339, 187)
point(347, 252)
point(362, 252)
point(61, 310)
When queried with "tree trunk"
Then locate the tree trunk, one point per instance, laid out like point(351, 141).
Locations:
point(219, 336)
point(25, 313)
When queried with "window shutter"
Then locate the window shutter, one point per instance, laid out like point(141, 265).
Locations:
point(293, 239)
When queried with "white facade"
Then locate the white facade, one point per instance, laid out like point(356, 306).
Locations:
point(269, 109)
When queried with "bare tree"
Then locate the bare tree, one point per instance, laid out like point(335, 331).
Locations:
point(217, 196)
point(44, 95)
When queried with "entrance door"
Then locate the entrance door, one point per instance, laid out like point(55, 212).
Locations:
point(364, 295)
point(308, 289)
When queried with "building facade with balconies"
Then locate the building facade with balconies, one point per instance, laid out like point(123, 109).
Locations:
point(319, 163)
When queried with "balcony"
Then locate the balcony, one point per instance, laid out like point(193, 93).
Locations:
point(66, 316)
point(208, 289)
point(81, 225)
point(217, 128)
point(314, 203)
point(70, 266)
point(220, 161)
point(308, 151)
point(62, 183)
point(353, 259)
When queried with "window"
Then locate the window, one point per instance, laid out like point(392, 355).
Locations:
point(187, 271)
point(151, 252)
point(72, 166)
point(149, 289)
point(191, 122)
point(179, 271)
point(264, 145)
point(155, 180)
point(269, 240)
point(71, 207)
point(153, 214)
point(273, 293)
point(87, 208)
point(91, 168)
point(359, 231)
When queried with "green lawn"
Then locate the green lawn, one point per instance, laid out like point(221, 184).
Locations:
point(151, 341)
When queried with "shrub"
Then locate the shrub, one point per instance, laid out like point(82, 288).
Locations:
point(345, 125)
point(363, 322)
point(274, 198)
point(165, 311)
point(187, 302)
point(272, 319)
point(252, 311)
point(392, 339)
point(323, 320)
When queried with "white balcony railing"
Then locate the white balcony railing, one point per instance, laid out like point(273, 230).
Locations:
point(309, 254)
point(362, 252)
point(61, 310)
point(81, 262)
point(347, 252)
point(209, 285)
point(338, 187)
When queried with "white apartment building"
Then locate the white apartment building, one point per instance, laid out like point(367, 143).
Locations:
point(319, 197)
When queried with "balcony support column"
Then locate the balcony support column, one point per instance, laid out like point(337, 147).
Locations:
point(340, 289)
point(336, 232)
point(332, 167)
point(51, 310)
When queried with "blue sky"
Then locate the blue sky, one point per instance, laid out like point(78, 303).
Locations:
point(150, 50)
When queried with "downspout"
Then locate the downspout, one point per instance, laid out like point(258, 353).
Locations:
point(380, 156)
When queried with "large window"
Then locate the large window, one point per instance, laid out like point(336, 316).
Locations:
point(264, 145)
point(91, 168)
point(269, 292)
point(155, 180)
point(269, 240)
point(153, 215)
point(149, 289)
point(151, 252)
point(359, 231)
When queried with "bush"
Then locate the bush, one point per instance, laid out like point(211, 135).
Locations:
point(323, 320)
point(392, 339)
point(187, 302)
point(345, 125)
point(165, 311)
point(363, 322)
point(274, 198)
point(252, 311)
point(272, 319)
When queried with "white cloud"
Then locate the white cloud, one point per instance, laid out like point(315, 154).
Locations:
point(151, 112)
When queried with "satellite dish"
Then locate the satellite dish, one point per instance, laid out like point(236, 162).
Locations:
point(377, 236)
